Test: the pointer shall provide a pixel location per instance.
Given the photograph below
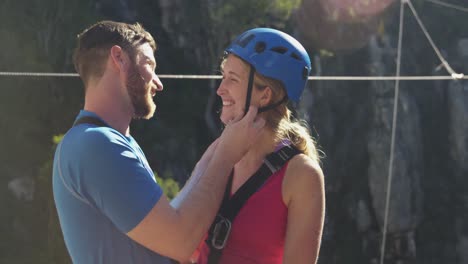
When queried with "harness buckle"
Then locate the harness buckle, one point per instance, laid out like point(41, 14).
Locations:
point(221, 232)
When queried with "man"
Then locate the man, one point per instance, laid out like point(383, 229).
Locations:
point(111, 210)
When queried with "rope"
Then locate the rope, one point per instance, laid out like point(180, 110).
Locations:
point(437, 51)
point(315, 78)
point(394, 125)
point(463, 9)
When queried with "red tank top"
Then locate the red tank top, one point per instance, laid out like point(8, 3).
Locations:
point(258, 232)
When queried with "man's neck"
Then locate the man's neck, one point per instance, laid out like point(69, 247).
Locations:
point(109, 105)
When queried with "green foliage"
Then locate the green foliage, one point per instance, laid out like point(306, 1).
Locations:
point(41, 34)
point(57, 138)
point(236, 16)
point(287, 6)
point(325, 53)
point(36, 36)
point(54, 251)
point(169, 185)
point(35, 235)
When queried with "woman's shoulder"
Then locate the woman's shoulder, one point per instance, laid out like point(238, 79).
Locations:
point(303, 176)
point(302, 167)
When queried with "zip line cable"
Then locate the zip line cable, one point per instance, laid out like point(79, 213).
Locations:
point(209, 77)
point(456, 7)
point(453, 74)
point(38, 74)
point(394, 125)
point(428, 36)
point(386, 78)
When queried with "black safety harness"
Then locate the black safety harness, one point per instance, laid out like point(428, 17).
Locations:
point(219, 231)
point(90, 120)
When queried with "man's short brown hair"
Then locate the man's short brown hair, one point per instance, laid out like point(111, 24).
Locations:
point(95, 42)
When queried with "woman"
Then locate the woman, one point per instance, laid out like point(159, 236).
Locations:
point(282, 221)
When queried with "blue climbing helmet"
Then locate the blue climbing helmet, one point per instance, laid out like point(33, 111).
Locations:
point(276, 55)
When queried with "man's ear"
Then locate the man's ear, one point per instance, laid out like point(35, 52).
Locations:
point(265, 98)
point(118, 58)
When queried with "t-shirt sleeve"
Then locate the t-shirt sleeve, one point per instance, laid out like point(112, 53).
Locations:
point(115, 179)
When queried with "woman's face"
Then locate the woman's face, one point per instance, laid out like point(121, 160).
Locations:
point(233, 88)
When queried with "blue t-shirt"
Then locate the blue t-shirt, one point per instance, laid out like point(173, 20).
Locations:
point(103, 188)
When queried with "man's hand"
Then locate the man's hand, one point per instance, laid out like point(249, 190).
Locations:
point(239, 135)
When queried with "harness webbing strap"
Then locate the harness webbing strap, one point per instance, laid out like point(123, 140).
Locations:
point(90, 120)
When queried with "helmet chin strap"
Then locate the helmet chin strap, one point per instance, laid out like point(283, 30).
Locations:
point(249, 89)
point(269, 107)
point(249, 95)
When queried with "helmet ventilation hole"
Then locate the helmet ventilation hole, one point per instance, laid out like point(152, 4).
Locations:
point(281, 50)
point(260, 47)
point(295, 56)
point(243, 41)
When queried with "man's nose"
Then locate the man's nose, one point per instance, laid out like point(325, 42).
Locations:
point(157, 82)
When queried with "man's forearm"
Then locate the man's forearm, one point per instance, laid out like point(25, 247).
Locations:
point(198, 202)
point(189, 185)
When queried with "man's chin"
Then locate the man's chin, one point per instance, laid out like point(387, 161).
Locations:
point(146, 117)
point(147, 114)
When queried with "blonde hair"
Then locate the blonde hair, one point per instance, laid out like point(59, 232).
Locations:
point(281, 121)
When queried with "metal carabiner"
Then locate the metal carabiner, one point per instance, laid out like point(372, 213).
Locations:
point(221, 232)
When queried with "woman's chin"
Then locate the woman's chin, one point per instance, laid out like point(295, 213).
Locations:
point(226, 118)
point(224, 122)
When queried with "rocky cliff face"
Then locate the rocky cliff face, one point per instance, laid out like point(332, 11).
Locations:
point(353, 120)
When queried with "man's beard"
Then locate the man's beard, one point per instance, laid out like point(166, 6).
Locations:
point(139, 92)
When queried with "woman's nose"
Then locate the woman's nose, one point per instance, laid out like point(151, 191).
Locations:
point(221, 89)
